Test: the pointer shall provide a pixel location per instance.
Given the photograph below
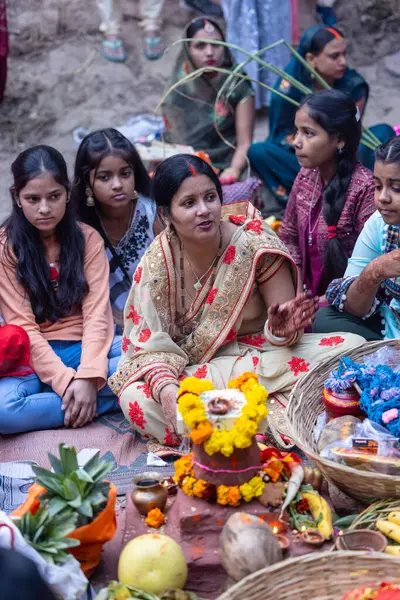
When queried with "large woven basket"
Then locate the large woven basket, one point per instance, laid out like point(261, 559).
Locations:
point(304, 406)
point(322, 576)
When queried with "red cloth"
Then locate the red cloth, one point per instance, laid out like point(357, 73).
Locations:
point(15, 352)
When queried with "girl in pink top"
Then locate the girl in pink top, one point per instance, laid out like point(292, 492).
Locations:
point(333, 194)
point(54, 284)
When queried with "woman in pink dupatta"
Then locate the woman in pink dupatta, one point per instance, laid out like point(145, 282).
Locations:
point(213, 296)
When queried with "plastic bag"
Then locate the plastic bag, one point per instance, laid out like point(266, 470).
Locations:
point(387, 355)
point(66, 581)
point(371, 448)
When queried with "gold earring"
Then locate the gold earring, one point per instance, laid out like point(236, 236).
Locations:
point(89, 197)
point(135, 195)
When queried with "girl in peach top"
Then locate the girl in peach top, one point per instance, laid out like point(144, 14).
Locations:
point(54, 284)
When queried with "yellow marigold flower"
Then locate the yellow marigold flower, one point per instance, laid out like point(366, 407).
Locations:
point(199, 487)
point(195, 386)
point(189, 402)
point(227, 447)
point(214, 443)
point(187, 486)
point(202, 432)
point(183, 467)
point(247, 492)
point(223, 494)
point(258, 486)
point(242, 440)
point(234, 496)
point(194, 417)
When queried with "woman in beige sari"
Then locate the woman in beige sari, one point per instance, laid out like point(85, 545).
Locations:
point(213, 296)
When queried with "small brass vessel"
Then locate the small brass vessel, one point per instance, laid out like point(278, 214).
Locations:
point(149, 492)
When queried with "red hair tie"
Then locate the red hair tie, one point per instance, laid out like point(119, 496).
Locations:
point(334, 32)
point(332, 232)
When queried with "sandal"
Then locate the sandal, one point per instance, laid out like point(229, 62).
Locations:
point(153, 47)
point(114, 50)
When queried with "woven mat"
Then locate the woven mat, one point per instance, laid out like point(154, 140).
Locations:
point(110, 434)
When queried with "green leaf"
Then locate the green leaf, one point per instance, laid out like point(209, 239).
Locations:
point(82, 475)
point(56, 505)
point(86, 509)
point(68, 458)
point(92, 463)
point(75, 503)
point(71, 490)
point(56, 464)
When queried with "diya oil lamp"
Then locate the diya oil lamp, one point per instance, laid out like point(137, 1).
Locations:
point(149, 492)
point(282, 539)
point(312, 537)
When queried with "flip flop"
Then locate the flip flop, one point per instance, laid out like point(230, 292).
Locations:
point(113, 45)
point(153, 48)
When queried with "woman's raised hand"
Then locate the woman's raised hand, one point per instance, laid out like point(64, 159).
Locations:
point(284, 320)
point(229, 176)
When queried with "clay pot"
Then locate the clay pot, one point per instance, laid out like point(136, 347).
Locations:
point(339, 404)
point(361, 539)
point(149, 492)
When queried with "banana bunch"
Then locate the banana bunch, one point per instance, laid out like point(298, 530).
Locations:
point(391, 529)
point(321, 513)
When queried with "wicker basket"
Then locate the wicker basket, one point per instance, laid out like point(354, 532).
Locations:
point(304, 406)
point(322, 576)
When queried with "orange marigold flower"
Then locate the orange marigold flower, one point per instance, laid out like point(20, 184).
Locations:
point(234, 496)
point(202, 432)
point(199, 488)
point(155, 518)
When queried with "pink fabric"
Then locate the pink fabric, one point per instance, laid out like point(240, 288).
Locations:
point(294, 230)
point(295, 22)
point(241, 190)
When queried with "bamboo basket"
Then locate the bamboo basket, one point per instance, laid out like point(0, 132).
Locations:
point(304, 406)
point(318, 576)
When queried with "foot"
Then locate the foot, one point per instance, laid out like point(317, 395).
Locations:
point(327, 15)
point(205, 7)
point(113, 49)
point(153, 45)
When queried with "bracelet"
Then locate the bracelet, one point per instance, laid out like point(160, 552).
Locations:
point(274, 339)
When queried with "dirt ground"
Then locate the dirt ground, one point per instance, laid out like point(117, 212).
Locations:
point(58, 80)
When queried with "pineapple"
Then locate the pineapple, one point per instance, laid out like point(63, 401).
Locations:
point(46, 533)
point(81, 489)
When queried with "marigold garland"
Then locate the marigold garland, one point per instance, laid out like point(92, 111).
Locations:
point(222, 494)
point(245, 427)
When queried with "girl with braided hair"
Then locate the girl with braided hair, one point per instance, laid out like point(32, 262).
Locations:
point(333, 194)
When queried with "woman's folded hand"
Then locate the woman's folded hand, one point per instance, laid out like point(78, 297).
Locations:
point(284, 320)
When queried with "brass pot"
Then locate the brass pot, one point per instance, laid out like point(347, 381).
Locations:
point(148, 492)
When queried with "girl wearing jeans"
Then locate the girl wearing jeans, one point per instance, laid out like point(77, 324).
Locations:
point(54, 284)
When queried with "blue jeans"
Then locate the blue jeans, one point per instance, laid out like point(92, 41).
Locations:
point(27, 404)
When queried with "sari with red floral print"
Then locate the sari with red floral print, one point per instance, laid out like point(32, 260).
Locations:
point(204, 341)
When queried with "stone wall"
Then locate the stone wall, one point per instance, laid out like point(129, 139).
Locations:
point(372, 27)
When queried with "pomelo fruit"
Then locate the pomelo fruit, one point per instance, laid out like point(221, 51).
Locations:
point(153, 563)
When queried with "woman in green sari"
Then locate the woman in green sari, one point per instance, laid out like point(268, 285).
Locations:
point(190, 112)
point(214, 296)
point(324, 48)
